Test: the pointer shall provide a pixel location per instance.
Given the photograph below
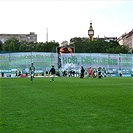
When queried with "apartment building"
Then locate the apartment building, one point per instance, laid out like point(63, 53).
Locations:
point(32, 37)
point(126, 39)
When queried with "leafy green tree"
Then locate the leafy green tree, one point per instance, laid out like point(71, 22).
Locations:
point(123, 49)
point(1, 46)
point(50, 46)
point(97, 46)
point(17, 43)
point(40, 47)
point(7, 43)
point(80, 44)
point(64, 43)
point(11, 47)
point(30, 47)
point(114, 47)
point(83, 45)
point(21, 48)
point(132, 51)
point(37, 48)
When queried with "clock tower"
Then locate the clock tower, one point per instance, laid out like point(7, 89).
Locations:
point(91, 32)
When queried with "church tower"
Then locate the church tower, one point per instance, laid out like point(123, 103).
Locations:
point(91, 32)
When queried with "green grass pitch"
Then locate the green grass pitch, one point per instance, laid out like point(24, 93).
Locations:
point(68, 105)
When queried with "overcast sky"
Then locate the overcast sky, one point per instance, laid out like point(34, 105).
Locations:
point(66, 19)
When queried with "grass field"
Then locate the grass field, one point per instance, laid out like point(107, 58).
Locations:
point(68, 105)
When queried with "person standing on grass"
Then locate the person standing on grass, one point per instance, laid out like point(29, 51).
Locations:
point(90, 72)
point(99, 73)
point(52, 72)
point(32, 71)
point(82, 72)
point(16, 73)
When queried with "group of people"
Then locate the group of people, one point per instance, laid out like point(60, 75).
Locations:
point(18, 73)
point(91, 72)
point(32, 72)
point(70, 73)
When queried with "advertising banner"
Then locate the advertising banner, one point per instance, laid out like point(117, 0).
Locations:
point(65, 61)
point(96, 60)
point(42, 61)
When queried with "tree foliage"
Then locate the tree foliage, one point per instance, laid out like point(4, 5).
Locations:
point(11, 47)
point(21, 48)
point(81, 45)
point(0, 45)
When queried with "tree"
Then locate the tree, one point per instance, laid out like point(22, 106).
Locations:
point(1, 45)
point(123, 49)
point(21, 48)
point(17, 43)
point(11, 47)
point(37, 48)
point(7, 43)
point(131, 51)
point(64, 43)
point(83, 45)
point(79, 43)
point(50, 46)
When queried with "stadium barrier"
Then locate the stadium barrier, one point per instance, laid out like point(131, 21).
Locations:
point(113, 63)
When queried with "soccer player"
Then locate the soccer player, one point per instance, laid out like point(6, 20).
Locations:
point(90, 72)
point(32, 71)
point(52, 72)
point(99, 73)
point(82, 72)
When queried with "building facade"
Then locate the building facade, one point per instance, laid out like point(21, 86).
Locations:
point(126, 39)
point(32, 37)
point(107, 39)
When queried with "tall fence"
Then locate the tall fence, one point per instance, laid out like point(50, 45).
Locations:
point(43, 61)
point(22, 61)
point(95, 60)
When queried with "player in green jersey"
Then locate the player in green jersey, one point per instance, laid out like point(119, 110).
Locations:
point(32, 71)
